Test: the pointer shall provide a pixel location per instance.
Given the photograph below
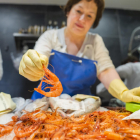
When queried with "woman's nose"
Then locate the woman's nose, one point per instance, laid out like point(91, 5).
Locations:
point(82, 17)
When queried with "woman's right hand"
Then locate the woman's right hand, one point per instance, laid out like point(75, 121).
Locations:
point(31, 65)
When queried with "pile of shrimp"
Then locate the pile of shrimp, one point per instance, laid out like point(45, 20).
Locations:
point(49, 81)
point(45, 125)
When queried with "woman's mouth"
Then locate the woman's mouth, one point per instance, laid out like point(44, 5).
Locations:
point(78, 25)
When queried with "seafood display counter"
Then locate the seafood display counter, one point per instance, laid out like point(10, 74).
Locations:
point(112, 124)
point(68, 118)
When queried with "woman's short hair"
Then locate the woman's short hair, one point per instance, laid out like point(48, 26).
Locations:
point(100, 5)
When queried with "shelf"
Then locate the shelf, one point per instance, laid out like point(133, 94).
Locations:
point(21, 39)
point(25, 35)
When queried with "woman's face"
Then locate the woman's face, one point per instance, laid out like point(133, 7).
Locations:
point(81, 17)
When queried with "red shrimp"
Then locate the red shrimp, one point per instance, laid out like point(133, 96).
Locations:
point(80, 119)
point(16, 138)
point(129, 130)
point(35, 116)
point(131, 136)
point(44, 132)
point(113, 135)
point(4, 129)
point(83, 137)
point(71, 133)
point(60, 134)
point(78, 127)
point(41, 139)
point(25, 129)
point(52, 79)
point(48, 129)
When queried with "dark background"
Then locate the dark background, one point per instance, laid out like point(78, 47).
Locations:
point(115, 27)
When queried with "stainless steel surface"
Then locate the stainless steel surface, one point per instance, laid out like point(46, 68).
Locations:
point(132, 38)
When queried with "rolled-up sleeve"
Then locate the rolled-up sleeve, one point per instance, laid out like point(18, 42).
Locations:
point(44, 44)
point(101, 55)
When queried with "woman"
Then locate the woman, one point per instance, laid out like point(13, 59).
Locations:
point(75, 54)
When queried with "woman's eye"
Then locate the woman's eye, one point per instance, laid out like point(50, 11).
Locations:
point(79, 12)
point(89, 16)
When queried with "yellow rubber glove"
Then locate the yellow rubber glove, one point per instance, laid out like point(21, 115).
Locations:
point(31, 65)
point(118, 89)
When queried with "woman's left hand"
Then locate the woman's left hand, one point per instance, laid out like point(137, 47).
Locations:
point(118, 89)
point(132, 95)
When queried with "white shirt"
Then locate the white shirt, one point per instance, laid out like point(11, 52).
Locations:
point(93, 47)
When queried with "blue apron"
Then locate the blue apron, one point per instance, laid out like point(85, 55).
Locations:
point(76, 74)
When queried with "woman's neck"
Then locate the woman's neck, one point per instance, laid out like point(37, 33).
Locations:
point(73, 38)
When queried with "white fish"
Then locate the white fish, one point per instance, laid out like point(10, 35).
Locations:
point(90, 106)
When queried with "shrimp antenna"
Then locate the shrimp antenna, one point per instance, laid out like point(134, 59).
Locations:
point(50, 65)
point(53, 68)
